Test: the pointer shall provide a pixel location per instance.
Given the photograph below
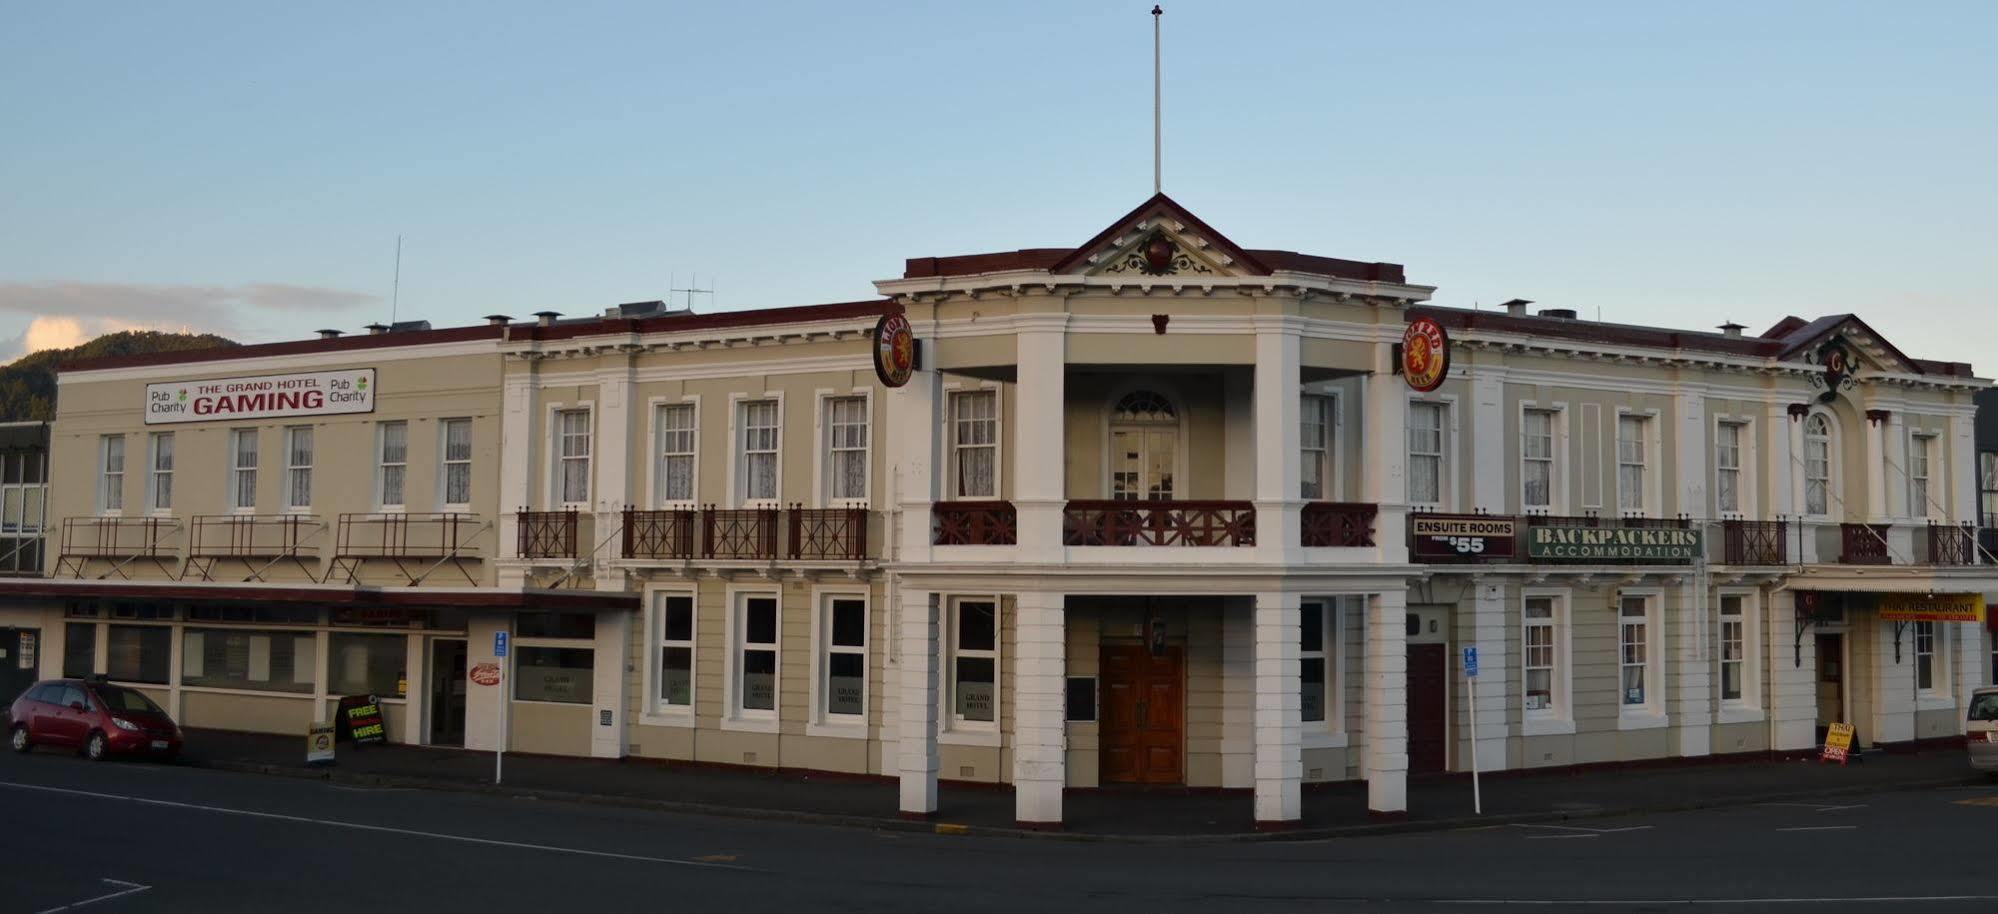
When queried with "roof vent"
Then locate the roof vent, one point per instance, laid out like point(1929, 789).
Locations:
point(546, 318)
point(497, 320)
point(1563, 313)
point(1732, 330)
point(637, 309)
point(377, 329)
point(329, 334)
point(1516, 307)
point(407, 326)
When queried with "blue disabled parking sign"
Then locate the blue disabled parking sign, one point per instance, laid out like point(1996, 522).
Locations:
point(499, 644)
point(1471, 662)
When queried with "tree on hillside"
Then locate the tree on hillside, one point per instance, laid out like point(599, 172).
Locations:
point(28, 388)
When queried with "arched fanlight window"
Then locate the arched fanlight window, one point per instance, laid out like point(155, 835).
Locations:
point(1817, 464)
point(1144, 406)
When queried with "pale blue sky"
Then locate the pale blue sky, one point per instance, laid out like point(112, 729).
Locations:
point(246, 167)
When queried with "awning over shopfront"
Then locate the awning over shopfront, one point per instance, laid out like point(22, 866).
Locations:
point(525, 599)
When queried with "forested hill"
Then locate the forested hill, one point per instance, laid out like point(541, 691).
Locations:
point(28, 388)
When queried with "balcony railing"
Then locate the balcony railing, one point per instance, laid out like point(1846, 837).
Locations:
point(258, 540)
point(546, 534)
point(974, 523)
point(739, 533)
point(1863, 544)
point(1952, 545)
point(1159, 523)
point(1338, 523)
point(836, 534)
point(413, 543)
point(658, 534)
point(746, 534)
point(119, 540)
point(1754, 542)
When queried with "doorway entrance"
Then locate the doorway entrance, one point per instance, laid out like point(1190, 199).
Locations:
point(447, 691)
point(1144, 448)
point(1428, 697)
point(20, 656)
point(1143, 733)
point(1831, 685)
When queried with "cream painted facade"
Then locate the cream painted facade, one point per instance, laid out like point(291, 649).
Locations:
point(1141, 513)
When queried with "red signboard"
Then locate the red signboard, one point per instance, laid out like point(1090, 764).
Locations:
point(1462, 537)
point(894, 349)
point(1425, 354)
point(486, 674)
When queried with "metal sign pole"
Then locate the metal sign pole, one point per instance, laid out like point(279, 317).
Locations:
point(1471, 679)
point(499, 715)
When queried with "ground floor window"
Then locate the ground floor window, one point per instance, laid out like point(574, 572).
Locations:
point(1634, 631)
point(1318, 626)
point(79, 649)
point(368, 665)
point(974, 661)
point(1540, 663)
point(756, 656)
point(1925, 656)
point(140, 653)
point(1740, 651)
point(262, 661)
point(564, 674)
point(844, 658)
point(676, 650)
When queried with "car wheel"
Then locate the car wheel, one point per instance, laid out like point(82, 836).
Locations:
point(20, 740)
point(93, 748)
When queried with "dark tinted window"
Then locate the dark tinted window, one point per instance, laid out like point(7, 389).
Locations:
point(79, 649)
point(118, 699)
point(1984, 706)
point(556, 625)
point(47, 693)
point(849, 623)
point(71, 695)
point(976, 626)
point(761, 624)
point(679, 618)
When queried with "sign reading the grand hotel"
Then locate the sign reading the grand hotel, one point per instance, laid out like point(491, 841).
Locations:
point(319, 393)
point(1612, 544)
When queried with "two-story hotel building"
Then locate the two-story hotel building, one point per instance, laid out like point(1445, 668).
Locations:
point(1151, 509)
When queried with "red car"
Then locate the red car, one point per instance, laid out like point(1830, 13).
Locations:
point(92, 716)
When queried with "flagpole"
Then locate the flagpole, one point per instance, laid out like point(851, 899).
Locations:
point(1158, 144)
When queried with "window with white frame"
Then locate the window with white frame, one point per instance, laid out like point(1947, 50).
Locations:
point(1314, 442)
point(1536, 459)
point(678, 437)
point(756, 656)
point(243, 469)
point(1541, 657)
point(159, 483)
point(846, 449)
point(1318, 651)
point(974, 662)
point(455, 486)
point(1921, 450)
point(1925, 657)
point(676, 650)
point(572, 456)
point(1635, 660)
point(391, 463)
point(1817, 465)
point(843, 658)
point(974, 448)
point(1738, 650)
point(1727, 467)
point(1987, 488)
point(111, 473)
point(1426, 467)
point(1631, 463)
point(756, 474)
point(298, 467)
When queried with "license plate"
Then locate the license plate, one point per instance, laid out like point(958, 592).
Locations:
point(159, 744)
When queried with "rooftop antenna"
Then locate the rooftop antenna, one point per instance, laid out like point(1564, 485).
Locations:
point(1158, 109)
point(694, 288)
point(395, 292)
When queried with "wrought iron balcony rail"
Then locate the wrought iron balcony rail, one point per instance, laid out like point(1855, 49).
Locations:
point(974, 523)
point(1159, 523)
point(1338, 523)
point(1754, 542)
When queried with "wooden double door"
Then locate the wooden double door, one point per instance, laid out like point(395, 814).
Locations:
point(1142, 736)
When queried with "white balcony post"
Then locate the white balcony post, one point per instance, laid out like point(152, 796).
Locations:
point(914, 422)
point(1040, 745)
point(1037, 463)
point(1793, 676)
point(517, 452)
point(1878, 509)
point(1279, 767)
point(1689, 411)
point(1386, 760)
point(1689, 695)
point(1385, 443)
point(1279, 534)
point(918, 762)
point(1487, 445)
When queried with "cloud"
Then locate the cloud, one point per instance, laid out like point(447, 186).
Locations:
point(205, 306)
point(58, 332)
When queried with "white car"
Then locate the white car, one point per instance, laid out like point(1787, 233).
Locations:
point(1981, 729)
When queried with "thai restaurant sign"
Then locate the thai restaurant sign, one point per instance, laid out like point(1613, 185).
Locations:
point(1612, 544)
point(275, 396)
point(1941, 607)
point(1462, 537)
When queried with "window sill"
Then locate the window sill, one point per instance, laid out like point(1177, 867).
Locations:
point(1324, 740)
point(750, 724)
point(578, 705)
point(673, 718)
point(968, 738)
point(258, 693)
point(856, 730)
point(1547, 726)
point(1642, 720)
point(1739, 715)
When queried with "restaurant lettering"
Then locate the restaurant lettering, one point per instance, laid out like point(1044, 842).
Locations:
point(325, 393)
point(1941, 607)
point(1613, 544)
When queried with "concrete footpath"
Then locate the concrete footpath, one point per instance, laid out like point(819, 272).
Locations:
point(1141, 815)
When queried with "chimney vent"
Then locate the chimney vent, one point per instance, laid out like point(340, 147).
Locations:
point(546, 318)
point(1563, 313)
point(497, 320)
point(1516, 307)
point(377, 329)
point(1732, 330)
point(329, 334)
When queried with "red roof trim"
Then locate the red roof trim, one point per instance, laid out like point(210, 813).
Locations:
point(1167, 204)
point(487, 599)
point(356, 344)
point(718, 321)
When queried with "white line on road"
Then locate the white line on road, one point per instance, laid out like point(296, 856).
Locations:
point(128, 888)
point(1584, 828)
point(335, 823)
point(1557, 837)
point(1820, 807)
point(1819, 828)
point(1710, 902)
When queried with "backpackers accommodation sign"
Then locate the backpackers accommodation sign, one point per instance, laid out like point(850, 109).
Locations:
point(1612, 544)
point(318, 393)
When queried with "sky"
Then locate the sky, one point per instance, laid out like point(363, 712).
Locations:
point(246, 168)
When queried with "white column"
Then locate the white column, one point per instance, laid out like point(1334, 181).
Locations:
point(1486, 448)
point(1962, 468)
point(1689, 489)
point(1894, 433)
point(1279, 751)
point(914, 418)
point(1385, 443)
point(1893, 719)
point(1039, 489)
point(1779, 497)
point(416, 698)
point(1387, 702)
point(1492, 627)
point(1278, 530)
point(1878, 509)
point(516, 463)
point(919, 654)
point(1793, 465)
point(608, 684)
point(615, 485)
point(1238, 695)
point(482, 703)
point(1966, 663)
point(1040, 744)
point(1689, 695)
point(1793, 676)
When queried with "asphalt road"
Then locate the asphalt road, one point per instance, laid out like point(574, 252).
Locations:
point(128, 837)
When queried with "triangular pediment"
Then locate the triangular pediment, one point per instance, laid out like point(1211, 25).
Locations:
point(1827, 338)
point(1160, 238)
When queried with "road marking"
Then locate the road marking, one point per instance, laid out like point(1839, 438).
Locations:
point(1977, 801)
point(716, 858)
point(358, 826)
point(1820, 828)
point(951, 828)
point(1584, 828)
point(1557, 837)
point(1709, 902)
point(126, 888)
point(1820, 807)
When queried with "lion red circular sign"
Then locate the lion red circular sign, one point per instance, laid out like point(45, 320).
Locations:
point(1425, 354)
point(486, 674)
point(894, 349)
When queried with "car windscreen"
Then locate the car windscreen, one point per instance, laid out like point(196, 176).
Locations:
point(1984, 706)
point(128, 700)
